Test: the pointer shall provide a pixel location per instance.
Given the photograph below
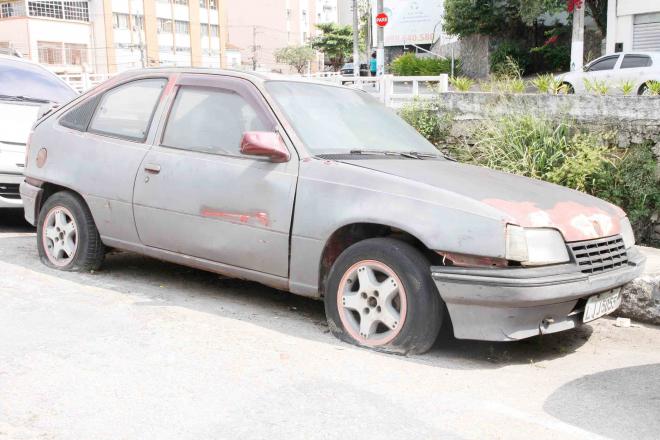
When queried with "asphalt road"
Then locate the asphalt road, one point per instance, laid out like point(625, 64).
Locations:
point(149, 350)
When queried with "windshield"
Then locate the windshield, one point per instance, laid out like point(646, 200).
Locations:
point(336, 120)
point(28, 80)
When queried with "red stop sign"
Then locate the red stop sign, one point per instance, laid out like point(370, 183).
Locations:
point(382, 19)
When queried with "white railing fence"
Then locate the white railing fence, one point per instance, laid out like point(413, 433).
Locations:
point(84, 81)
point(392, 90)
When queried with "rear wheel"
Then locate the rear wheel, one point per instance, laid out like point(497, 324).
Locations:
point(67, 238)
point(643, 90)
point(380, 294)
point(568, 87)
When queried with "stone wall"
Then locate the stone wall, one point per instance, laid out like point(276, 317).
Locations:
point(635, 119)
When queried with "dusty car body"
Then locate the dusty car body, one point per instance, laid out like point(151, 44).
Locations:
point(392, 240)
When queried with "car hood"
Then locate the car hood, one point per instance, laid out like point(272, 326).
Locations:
point(16, 120)
point(521, 200)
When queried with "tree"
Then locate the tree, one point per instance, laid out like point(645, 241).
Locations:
point(297, 57)
point(336, 42)
point(485, 17)
point(598, 10)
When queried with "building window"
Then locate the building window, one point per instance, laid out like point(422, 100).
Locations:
point(75, 54)
point(182, 49)
point(182, 27)
point(202, 4)
point(215, 30)
point(164, 25)
point(7, 10)
point(64, 10)
point(138, 22)
point(119, 21)
point(204, 30)
point(181, 2)
point(213, 4)
point(49, 52)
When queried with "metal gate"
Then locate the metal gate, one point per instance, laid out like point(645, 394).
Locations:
point(646, 32)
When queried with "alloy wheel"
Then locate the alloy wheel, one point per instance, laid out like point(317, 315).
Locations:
point(60, 236)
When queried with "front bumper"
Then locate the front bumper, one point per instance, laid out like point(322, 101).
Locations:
point(517, 303)
point(9, 198)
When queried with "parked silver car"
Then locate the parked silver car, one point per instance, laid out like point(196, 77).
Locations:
point(319, 190)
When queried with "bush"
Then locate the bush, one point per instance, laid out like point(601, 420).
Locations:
point(500, 59)
point(411, 65)
point(551, 58)
point(423, 116)
point(461, 83)
point(561, 153)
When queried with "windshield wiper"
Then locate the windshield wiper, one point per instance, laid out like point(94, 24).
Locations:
point(22, 98)
point(419, 155)
point(385, 153)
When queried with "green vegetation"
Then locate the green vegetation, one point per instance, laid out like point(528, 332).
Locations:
point(627, 87)
point(509, 60)
point(461, 83)
point(411, 65)
point(653, 88)
point(335, 41)
point(297, 57)
point(544, 83)
point(598, 87)
point(422, 114)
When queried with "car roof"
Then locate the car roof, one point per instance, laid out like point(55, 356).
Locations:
point(256, 77)
point(16, 58)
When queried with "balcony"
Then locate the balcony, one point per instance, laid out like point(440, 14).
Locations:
point(53, 9)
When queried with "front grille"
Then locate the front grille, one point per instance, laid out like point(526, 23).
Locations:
point(9, 191)
point(600, 255)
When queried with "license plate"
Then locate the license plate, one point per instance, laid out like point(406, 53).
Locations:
point(602, 304)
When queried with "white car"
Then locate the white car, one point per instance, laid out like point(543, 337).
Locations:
point(614, 69)
point(27, 90)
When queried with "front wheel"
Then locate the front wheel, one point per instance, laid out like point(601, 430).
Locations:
point(67, 238)
point(380, 294)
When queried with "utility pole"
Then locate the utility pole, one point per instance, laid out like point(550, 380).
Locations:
point(254, 48)
point(356, 40)
point(380, 38)
point(141, 47)
point(577, 43)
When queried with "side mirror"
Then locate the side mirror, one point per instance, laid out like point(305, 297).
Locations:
point(265, 143)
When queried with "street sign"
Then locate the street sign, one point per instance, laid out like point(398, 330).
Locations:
point(382, 19)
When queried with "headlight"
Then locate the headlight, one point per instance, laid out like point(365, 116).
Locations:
point(627, 233)
point(535, 246)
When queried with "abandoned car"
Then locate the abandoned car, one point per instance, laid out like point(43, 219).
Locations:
point(319, 190)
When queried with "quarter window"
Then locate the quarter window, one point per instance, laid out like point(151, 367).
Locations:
point(211, 121)
point(604, 64)
point(126, 111)
point(635, 61)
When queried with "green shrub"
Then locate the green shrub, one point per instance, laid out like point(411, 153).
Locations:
point(561, 153)
point(551, 58)
point(596, 86)
point(544, 83)
point(653, 88)
point(627, 87)
point(461, 83)
point(411, 65)
point(423, 116)
point(506, 51)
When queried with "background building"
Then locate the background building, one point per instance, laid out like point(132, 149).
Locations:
point(258, 28)
point(108, 36)
point(633, 25)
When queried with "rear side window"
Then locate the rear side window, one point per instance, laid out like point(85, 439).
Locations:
point(634, 61)
point(78, 117)
point(604, 64)
point(126, 111)
point(211, 120)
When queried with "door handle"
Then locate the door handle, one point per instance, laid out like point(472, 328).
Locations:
point(152, 168)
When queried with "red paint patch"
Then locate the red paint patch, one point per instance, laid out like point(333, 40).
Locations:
point(259, 217)
point(576, 222)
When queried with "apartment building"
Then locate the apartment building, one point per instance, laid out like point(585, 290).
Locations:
point(56, 33)
point(258, 28)
point(108, 36)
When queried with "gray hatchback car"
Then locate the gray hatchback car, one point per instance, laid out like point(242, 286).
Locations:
point(319, 190)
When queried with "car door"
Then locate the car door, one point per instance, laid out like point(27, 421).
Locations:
point(602, 70)
point(633, 67)
point(106, 137)
point(197, 195)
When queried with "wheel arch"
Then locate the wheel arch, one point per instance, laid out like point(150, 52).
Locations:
point(347, 235)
